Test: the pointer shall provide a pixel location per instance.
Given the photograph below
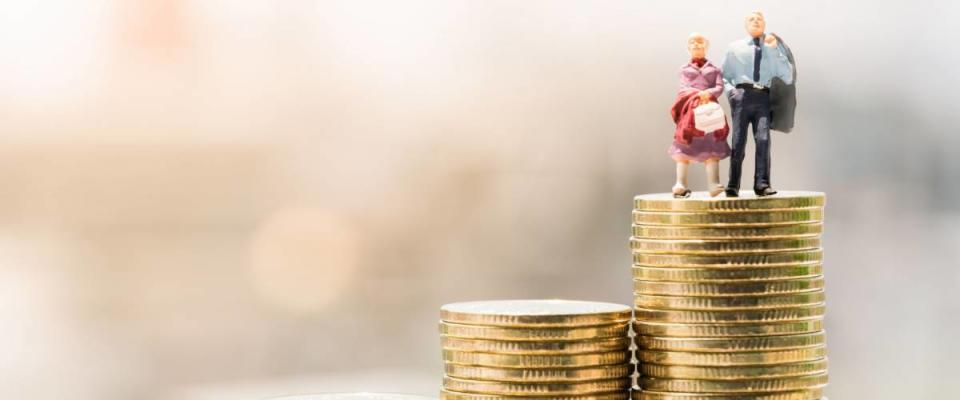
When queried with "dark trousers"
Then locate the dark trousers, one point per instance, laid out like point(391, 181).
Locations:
point(750, 107)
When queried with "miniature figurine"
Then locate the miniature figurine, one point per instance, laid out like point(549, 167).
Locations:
point(752, 68)
point(701, 83)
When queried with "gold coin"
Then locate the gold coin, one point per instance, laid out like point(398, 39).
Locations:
point(734, 386)
point(747, 201)
point(353, 396)
point(713, 247)
point(732, 232)
point(743, 372)
point(536, 361)
point(727, 288)
point(534, 334)
point(732, 345)
point(729, 303)
point(535, 313)
point(808, 394)
point(729, 359)
point(730, 260)
point(514, 347)
point(731, 316)
point(538, 374)
point(452, 395)
point(726, 274)
point(535, 389)
point(753, 218)
point(727, 330)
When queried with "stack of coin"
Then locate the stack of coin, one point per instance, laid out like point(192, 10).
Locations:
point(729, 297)
point(515, 349)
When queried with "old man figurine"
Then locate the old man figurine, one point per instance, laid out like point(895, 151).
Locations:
point(749, 70)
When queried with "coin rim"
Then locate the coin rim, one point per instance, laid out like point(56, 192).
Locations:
point(742, 358)
point(726, 289)
point(529, 334)
point(539, 361)
point(710, 330)
point(730, 373)
point(675, 274)
point(733, 345)
point(755, 219)
point(686, 302)
point(814, 256)
point(516, 347)
point(731, 386)
point(454, 395)
point(531, 320)
point(733, 316)
point(810, 229)
point(807, 394)
point(544, 389)
point(582, 374)
point(721, 246)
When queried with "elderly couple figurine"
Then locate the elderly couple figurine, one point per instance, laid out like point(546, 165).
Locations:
point(758, 75)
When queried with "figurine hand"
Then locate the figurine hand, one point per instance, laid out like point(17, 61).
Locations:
point(770, 40)
point(704, 97)
point(735, 95)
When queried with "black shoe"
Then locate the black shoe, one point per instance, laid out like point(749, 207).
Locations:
point(765, 191)
point(732, 192)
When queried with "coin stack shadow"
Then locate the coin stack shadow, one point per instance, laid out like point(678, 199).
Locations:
point(729, 297)
point(548, 349)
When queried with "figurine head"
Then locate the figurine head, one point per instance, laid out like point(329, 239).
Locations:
point(755, 24)
point(697, 45)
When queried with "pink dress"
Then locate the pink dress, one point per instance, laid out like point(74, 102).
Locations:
point(701, 75)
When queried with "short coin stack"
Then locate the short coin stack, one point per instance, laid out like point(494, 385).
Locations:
point(729, 297)
point(547, 349)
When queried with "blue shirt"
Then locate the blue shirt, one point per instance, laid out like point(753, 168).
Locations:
point(738, 64)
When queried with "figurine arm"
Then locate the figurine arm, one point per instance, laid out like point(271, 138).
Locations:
point(717, 88)
point(728, 71)
point(684, 84)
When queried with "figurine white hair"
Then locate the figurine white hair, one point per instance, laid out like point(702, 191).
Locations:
point(697, 35)
point(755, 23)
point(697, 45)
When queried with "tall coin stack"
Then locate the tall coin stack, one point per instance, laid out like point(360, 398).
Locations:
point(729, 297)
point(544, 349)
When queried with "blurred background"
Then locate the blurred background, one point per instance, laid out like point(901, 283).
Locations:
point(233, 200)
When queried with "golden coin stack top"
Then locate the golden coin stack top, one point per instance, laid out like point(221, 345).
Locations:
point(729, 297)
point(354, 396)
point(516, 349)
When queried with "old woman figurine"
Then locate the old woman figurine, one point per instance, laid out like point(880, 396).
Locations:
point(701, 82)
